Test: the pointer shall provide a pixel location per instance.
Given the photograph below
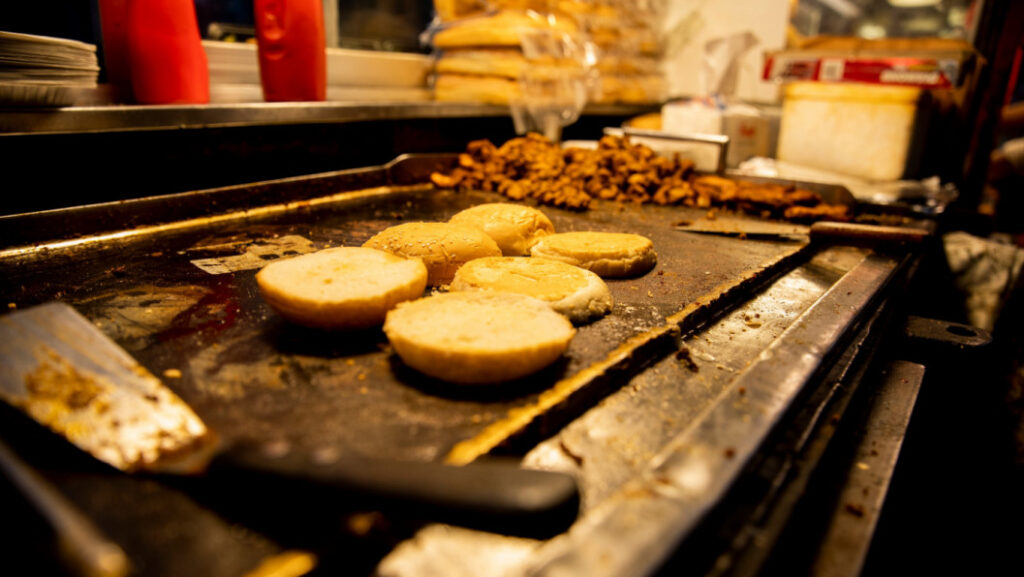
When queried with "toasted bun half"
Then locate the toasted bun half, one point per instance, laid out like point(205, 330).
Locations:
point(572, 291)
point(477, 337)
point(443, 247)
point(608, 254)
point(513, 227)
point(340, 288)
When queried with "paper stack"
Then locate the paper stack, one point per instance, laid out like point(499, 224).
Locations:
point(44, 71)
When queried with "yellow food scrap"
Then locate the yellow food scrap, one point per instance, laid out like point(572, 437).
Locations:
point(285, 564)
point(58, 382)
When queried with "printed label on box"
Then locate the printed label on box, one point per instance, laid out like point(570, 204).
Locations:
point(924, 72)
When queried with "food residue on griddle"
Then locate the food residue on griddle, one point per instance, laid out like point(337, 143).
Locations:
point(684, 357)
point(56, 382)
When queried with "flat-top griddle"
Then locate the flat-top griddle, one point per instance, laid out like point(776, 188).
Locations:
point(176, 289)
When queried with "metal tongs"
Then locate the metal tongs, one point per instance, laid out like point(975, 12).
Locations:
point(719, 140)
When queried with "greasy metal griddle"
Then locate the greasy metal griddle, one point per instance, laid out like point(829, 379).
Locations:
point(259, 379)
point(176, 289)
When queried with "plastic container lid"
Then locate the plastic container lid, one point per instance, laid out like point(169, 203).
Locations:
point(873, 93)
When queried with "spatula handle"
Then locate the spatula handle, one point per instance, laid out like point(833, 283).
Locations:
point(84, 550)
point(494, 495)
point(853, 232)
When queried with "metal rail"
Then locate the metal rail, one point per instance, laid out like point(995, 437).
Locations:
point(125, 118)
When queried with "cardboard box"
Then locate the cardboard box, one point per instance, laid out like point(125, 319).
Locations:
point(927, 63)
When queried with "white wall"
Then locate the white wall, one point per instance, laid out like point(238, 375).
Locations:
point(690, 24)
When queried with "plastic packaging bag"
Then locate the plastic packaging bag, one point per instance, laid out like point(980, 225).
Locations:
point(554, 84)
point(716, 111)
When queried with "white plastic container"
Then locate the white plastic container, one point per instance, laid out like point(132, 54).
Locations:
point(745, 126)
point(863, 130)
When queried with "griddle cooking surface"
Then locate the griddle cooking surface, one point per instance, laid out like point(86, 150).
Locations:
point(255, 378)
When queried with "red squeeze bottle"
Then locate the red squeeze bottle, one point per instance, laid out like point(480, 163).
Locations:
point(114, 27)
point(168, 63)
point(292, 49)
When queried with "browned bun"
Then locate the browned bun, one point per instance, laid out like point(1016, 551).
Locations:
point(572, 291)
point(502, 62)
point(442, 247)
point(499, 29)
point(477, 337)
point(514, 227)
point(340, 288)
point(471, 88)
point(608, 254)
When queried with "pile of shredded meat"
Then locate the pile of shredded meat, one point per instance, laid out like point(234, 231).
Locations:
point(533, 167)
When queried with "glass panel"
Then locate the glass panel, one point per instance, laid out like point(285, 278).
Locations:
point(886, 18)
point(393, 25)
point(228, 20)
point(390, 25)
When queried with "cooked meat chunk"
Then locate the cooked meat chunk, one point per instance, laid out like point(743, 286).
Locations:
point(531, 167)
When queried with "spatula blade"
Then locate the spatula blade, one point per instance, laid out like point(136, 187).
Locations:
point(65, 373)
point(62, 371)
point(746, 228)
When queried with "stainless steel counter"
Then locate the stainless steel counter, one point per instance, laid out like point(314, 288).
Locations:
point(121, 118)
point(128, 151)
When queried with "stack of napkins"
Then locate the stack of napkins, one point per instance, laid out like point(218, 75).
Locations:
point(44, 71)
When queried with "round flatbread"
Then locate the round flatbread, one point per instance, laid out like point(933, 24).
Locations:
point(608, 254)
point(572, 291)
point(340, 288)
point(514, 227)
point(477, 337)
point(443, 247)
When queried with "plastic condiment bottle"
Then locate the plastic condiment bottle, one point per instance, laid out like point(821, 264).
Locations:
point(292, 49)
point(114, 27)
point(168, 62)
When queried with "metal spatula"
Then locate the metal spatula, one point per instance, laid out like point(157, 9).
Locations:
point(844, 232)
point(61, 370)
point(83, 548)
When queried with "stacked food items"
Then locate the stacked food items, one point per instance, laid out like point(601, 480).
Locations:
point(625, 34)
point(515, 288)
point(480, 57)
point(44, 71)
point(483, 49)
